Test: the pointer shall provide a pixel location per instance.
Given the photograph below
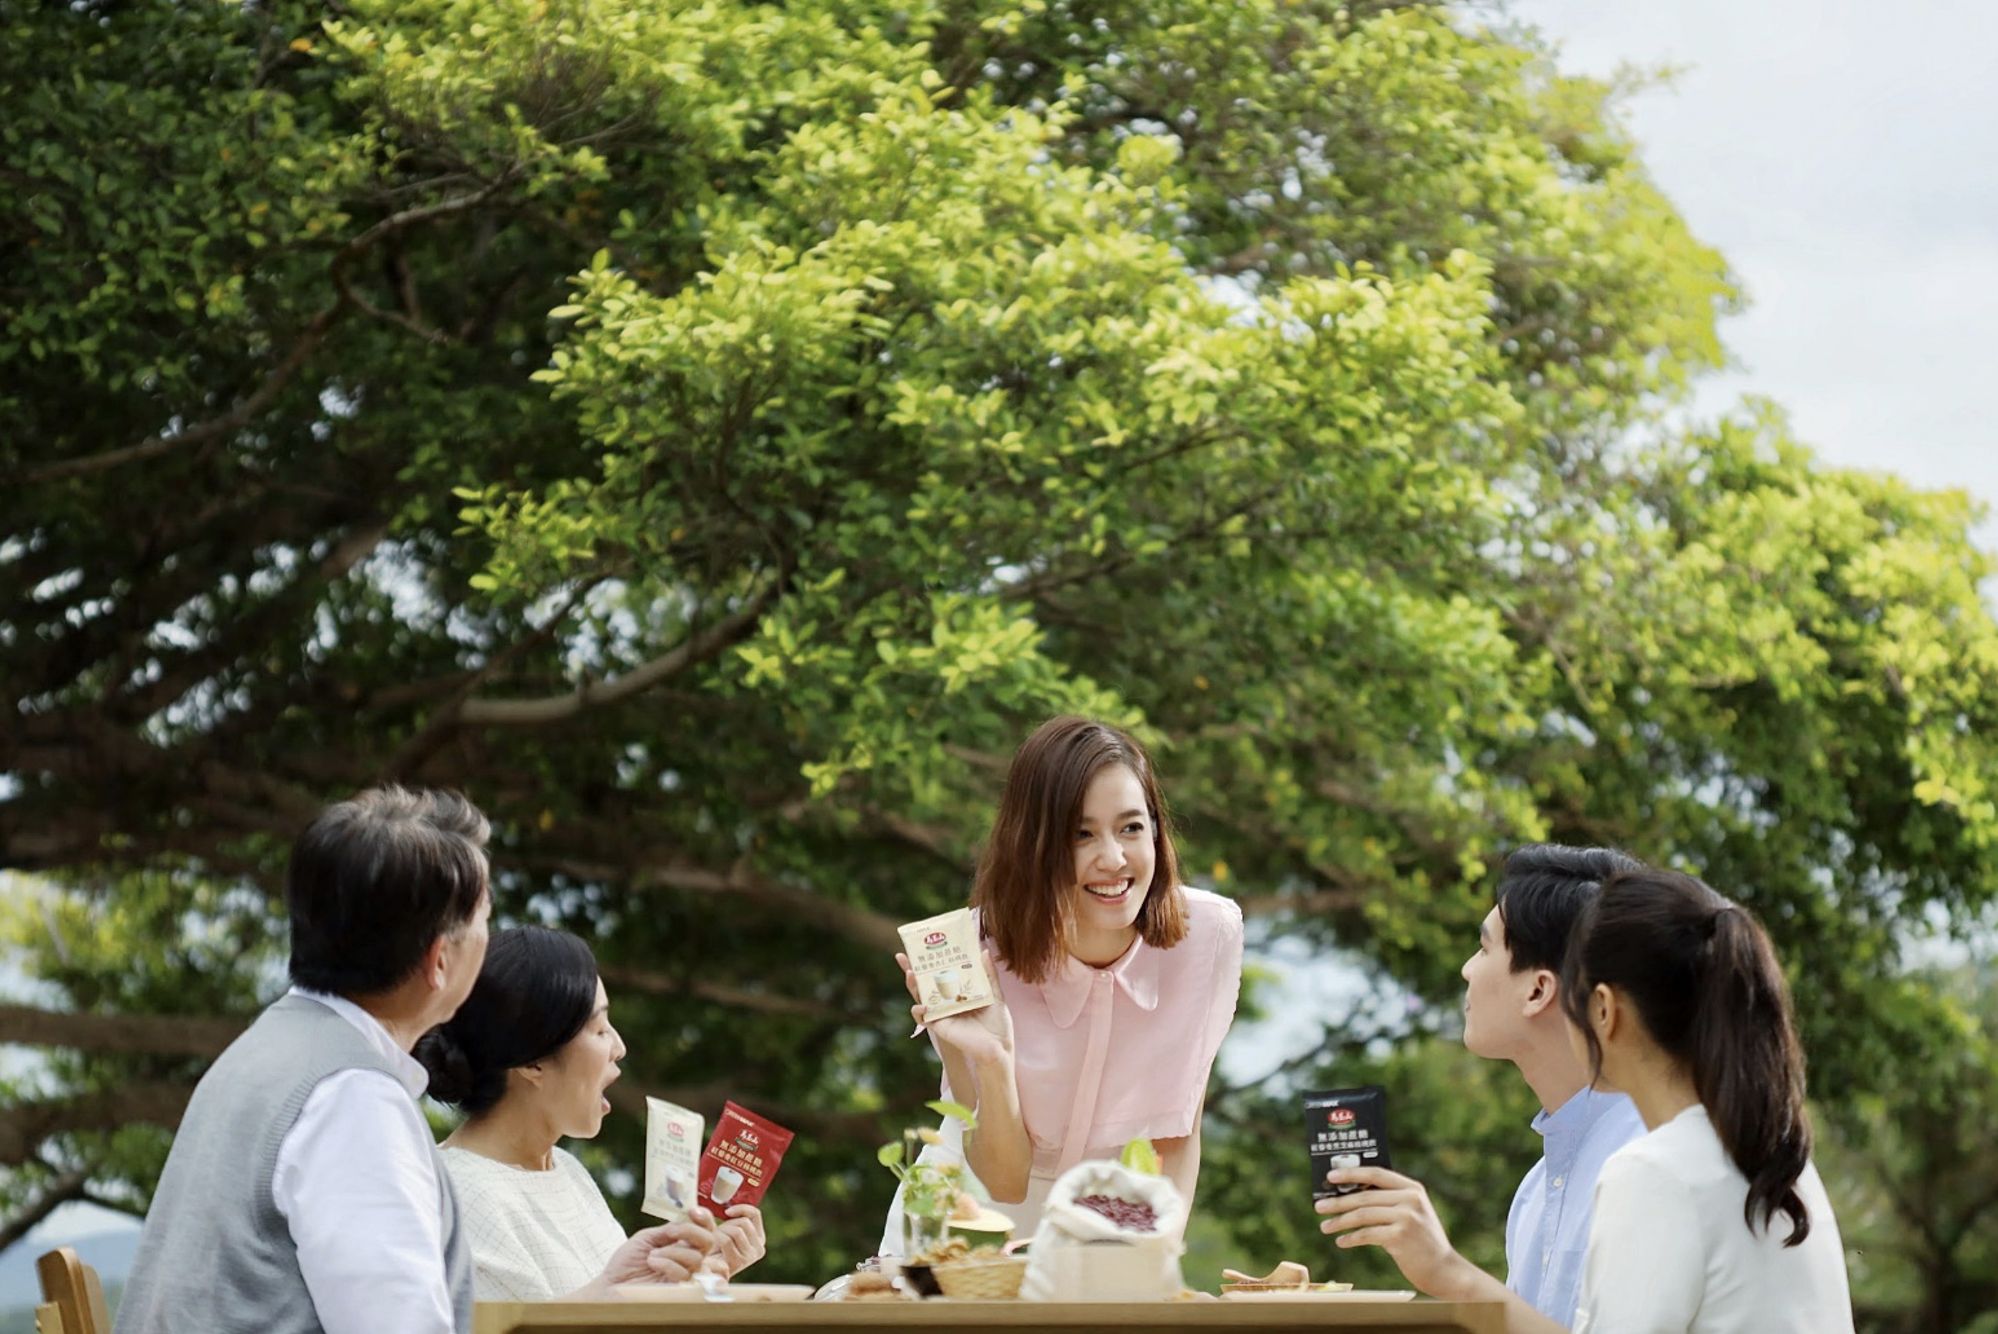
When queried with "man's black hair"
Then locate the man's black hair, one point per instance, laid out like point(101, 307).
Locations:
point(1541, 893)
point(376, 880)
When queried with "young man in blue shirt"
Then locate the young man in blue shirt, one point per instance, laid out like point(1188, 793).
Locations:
point(1512, 1012)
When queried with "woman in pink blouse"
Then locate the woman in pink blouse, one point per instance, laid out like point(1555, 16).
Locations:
point(1116, 982)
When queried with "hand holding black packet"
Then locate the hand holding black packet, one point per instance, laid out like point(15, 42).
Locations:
point(1345, 1128)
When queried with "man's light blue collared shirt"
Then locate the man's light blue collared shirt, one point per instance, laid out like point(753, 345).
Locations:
point(1547, 1229)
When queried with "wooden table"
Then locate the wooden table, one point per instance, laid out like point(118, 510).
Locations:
point(1259, 1317)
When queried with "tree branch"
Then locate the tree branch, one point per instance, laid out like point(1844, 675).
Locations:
point(410, 217)
point(274, 383)
point(443, 721)
point(986, 760)
point(1311, 901)
point(71, 1185)
point(25, 1125)
point(1361, 799)
point(696, 648)
point(937, 842)
point(345, 286)
point(864, 925)
point(1340, 889)
point(257, 625)
point(1051, 580)
point(235, 419)
point(760, 1002)
point(116, 1204)
point(867, 927)
point(934, 840)
point(154, 1034)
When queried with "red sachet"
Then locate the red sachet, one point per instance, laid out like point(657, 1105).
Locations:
point(741, 1158)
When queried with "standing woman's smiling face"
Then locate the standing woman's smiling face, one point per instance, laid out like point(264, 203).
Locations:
point(1114, 858)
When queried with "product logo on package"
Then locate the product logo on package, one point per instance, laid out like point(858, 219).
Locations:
point(1341, 1116)
point(934, 939)
point(747, 1139)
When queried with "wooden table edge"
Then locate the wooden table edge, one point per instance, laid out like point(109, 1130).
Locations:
point(533, 1317)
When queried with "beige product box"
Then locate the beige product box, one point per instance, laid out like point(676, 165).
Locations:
point(672, 1159)
point(944, 955)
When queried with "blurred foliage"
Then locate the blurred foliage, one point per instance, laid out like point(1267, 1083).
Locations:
point(712, 435)
point(1914, 1174)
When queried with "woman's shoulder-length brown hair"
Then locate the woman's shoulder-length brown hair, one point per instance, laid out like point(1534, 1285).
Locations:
point(1027, 872)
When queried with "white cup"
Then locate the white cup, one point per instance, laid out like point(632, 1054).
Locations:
point(727, 1182)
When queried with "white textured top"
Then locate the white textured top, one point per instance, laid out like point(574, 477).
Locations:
point(1670, 1252)
point(534, 1235)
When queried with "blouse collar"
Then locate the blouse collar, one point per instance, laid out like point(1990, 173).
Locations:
point(1135, 973)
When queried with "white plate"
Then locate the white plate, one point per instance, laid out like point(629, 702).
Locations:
point(691, 1292)
point(1306, 1295)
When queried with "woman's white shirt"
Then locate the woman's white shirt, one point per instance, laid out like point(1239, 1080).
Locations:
point(1671, 1253)
point(534, 1235)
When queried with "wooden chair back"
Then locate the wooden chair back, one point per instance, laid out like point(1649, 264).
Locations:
point(73, 1289)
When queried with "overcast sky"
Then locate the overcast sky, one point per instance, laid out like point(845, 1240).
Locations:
point(1844, 157)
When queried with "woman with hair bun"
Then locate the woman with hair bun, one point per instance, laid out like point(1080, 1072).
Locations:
point(528, 1058)
point(1716, 1222)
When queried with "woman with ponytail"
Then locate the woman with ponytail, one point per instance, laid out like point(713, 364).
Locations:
point(528, 1058)
point(1716, 1221)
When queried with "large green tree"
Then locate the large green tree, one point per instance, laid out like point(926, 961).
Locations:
point(712, 435)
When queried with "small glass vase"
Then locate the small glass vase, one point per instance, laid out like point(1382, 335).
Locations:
point(920, 1232)
point(928, 1195)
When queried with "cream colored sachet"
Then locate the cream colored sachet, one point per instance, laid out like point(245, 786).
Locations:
point(672, 1159)
point(949, 965)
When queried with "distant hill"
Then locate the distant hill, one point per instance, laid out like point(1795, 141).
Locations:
point(111, 1253)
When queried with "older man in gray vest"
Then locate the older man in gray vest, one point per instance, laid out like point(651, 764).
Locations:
point(303, 1193)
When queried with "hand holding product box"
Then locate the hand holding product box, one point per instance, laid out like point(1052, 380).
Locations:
point(948, 965)
point(1344, 1128)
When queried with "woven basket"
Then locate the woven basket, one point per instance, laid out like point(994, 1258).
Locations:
point(996, 1279)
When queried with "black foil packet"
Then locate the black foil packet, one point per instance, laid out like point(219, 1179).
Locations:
point(1345, 1128)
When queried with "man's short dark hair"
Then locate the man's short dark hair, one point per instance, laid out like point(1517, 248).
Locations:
point(376, 880)
point(1541, 894)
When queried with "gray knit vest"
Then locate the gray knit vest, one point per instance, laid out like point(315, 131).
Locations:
point(216, 1255)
